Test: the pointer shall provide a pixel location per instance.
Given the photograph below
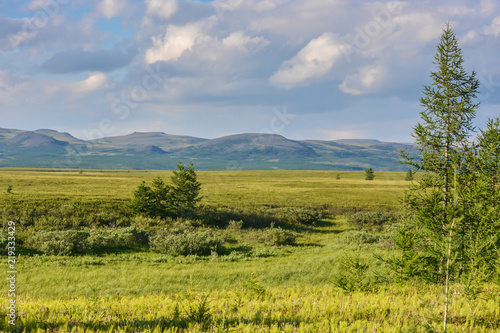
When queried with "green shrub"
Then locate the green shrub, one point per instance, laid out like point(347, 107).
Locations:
point(68, 242)
point(116, 238)
point(71, 242)
point(277, 237)
point(369, 221)
point(360, 237)
point(4, 240)
point(177, 242)
point(353, 274)
point(294, 215)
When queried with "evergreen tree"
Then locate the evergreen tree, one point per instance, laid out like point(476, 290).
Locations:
point(443, 140)
point(154, 201)
point(163, 200)
point(186, 188)
point(409, 175)
point(369, 174)
point(482, 200)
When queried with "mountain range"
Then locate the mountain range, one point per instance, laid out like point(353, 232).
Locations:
point(47, 148)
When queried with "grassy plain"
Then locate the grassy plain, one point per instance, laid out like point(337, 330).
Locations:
point(267, 289)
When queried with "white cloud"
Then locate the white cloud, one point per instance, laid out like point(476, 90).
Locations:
point(94, 82)
point(195, 37)
point(315, 60)
point(493, 28)
point(161, 8)
point(177, 39)
point(110, 8)
point(241, 42)
point(368, 79)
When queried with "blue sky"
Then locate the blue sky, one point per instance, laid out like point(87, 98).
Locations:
point(305, 69)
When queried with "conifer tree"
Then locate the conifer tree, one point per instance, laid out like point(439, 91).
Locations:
point(369, 174)
point(409, 175)
point(442, 139)
point(186, 188)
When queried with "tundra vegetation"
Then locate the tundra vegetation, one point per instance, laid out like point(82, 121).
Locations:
point(270, 251)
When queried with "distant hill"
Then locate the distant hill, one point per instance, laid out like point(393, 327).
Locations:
point(156, 150)
point(33, 139)
point(161, 140)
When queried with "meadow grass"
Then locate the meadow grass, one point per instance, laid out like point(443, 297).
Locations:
point(251, 288)
point(219, 188)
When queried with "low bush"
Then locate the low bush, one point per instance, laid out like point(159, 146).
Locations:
point(277, 237)
point(117, 238)
point(370, 221)
point(294, 215)
point(259, 217)
point(177, 242)
point(4, 240)
point(360, 237)
point(68, 242)
point(71, 242)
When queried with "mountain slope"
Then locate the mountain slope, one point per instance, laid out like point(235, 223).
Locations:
point(161, 140)
point(250, 145)
point(32, 139)
point(155, 150)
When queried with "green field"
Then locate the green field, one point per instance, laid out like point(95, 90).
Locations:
point(250, 287)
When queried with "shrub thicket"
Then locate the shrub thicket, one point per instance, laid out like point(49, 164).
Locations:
point(277, 237)
point(178, 242)
point(164, 200)
point(370, 221)
point(71, 242)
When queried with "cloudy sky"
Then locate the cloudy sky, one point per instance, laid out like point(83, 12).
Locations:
point(305, 69)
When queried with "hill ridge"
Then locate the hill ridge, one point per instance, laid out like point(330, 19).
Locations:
point(159, 150)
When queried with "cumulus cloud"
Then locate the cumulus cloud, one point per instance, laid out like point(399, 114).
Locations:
point(367, 79)
point(241, 42)
point(493, 28)
point(315, 60)
point(94, 82)
point(161, 8)
point(110, 8)
point(194, 37)
point(176, 40)
point(79, 60)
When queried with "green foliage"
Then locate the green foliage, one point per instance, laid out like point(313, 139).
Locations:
point(186, 188)
point(353, 274)
point(370, 221)
point(360, 237)
point(62, 243)
point(255, 287)
point(408, 264)
point(199, 312)
point(455, 242)
point(277, 237)
point(409, 175)
point(369, 174)
point(154, 201)
point(163, 200)
point(338, 176)
point(9, 189)
point(442, 139)
point(295, 215)
point(4, 240)
point(177, 242)
point(72, 242)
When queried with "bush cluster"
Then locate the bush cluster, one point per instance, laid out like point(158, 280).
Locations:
point(277, 237)
point(294, 215)
point(370, 221)
point(60, 215)
point(260, 217)
point(177, 242)
point(71, 242)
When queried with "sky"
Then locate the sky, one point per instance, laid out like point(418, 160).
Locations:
point(304, 69)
